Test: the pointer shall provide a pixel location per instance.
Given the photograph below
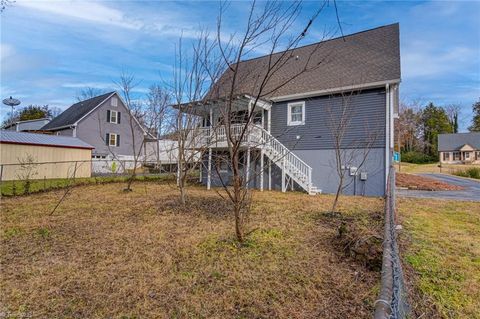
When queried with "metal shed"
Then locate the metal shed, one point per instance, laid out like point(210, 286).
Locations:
point(43, 156)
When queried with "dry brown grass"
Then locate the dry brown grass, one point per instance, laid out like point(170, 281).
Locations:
point(105, 253)
point(411, 181)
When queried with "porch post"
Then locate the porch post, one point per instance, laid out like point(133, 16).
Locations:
point(247, 175)
point(269, 175)
point(269, 117)
point(209, 173)
point(261, 170)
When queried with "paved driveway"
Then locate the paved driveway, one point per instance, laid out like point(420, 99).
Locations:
point(470, 193)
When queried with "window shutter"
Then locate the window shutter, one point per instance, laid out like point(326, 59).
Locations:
point(108, 115)
point(118, 117)
point(107, 139)
point(118, 140)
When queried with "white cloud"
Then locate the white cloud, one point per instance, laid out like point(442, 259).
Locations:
point(425, 61)
point(81, 85)
point(6, 51)
point(90, 11)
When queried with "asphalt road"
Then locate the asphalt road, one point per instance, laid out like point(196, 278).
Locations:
point(470, 193)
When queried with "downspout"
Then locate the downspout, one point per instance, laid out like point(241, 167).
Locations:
point(387, 132)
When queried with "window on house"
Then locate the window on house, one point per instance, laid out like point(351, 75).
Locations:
point(257, 118)
point(446, 156)
point(467, 155)
point(296, 113)
point(456, 156)
point(112, 139)
point(114, 101)
point(113, 117)
point(477, 156)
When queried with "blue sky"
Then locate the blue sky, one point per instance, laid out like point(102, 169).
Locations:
point(50, 50)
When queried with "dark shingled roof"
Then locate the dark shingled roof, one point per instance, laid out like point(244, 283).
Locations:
point(76, 112)
point(11, 137)
point(453, 142)
point(360, 58)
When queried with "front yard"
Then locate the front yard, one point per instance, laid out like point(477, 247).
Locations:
point(105, 253)
point(441, 249)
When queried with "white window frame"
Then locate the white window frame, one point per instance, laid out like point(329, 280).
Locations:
point(110, 139)
point(114, 101)
point(289, 113)
point(116, 117)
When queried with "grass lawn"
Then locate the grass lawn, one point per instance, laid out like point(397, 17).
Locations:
point(441, 245)
point(432, 168)
point(109, 254)
point(11, 188)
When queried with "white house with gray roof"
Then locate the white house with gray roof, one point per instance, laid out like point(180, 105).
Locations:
point(459, 148)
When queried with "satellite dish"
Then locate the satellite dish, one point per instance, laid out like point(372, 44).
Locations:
point(11, 102)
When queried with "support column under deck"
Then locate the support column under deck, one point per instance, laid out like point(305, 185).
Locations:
point(261, 170)
point(209, 173)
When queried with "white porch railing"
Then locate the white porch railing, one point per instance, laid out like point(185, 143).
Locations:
point(258, 137)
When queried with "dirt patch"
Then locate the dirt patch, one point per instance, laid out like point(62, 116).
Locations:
point(358, 238)
point(411, 181)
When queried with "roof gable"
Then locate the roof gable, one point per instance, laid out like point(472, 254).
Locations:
point(455, 142)
point(371, 56)
point(77, 111)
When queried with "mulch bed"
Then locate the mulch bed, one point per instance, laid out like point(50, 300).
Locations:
point(423, 183)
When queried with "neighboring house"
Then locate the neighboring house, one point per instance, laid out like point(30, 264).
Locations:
point(104, 122)
point(28, 125)
point(459, 148)
point(291, 145)
point(55, 156)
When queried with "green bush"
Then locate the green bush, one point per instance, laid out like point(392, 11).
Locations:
point(418, 158)
point(473, 172)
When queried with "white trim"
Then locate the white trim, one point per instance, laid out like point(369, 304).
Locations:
point(116, 117)
point(89, 112)
point(110, 139)
point(289, 113)
point(333, 90)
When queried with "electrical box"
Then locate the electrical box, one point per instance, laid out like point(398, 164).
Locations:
point(353, 171)
point(363, 176)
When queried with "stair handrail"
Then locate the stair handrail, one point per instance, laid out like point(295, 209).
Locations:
point(291, 157)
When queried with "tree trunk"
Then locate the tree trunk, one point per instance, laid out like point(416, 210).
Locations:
point(337, 195)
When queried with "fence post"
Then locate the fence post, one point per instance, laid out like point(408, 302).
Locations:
point(1, 176)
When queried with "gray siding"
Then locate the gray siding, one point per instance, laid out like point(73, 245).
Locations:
point(367, 118)
point(66, 132)
point(93, 128)
point(324, 174)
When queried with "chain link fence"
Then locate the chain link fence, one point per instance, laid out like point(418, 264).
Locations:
point(392, 301)
point(31, 177)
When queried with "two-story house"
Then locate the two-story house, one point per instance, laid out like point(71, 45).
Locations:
point(291, 143)
point(103, 122)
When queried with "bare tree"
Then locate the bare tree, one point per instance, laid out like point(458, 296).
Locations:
point(453, 111)
point(193, 74)
point(4, 4)
point(126, 84)
point(267, 28)
point(88, 93)
point(350, 154)
point(27, 170)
